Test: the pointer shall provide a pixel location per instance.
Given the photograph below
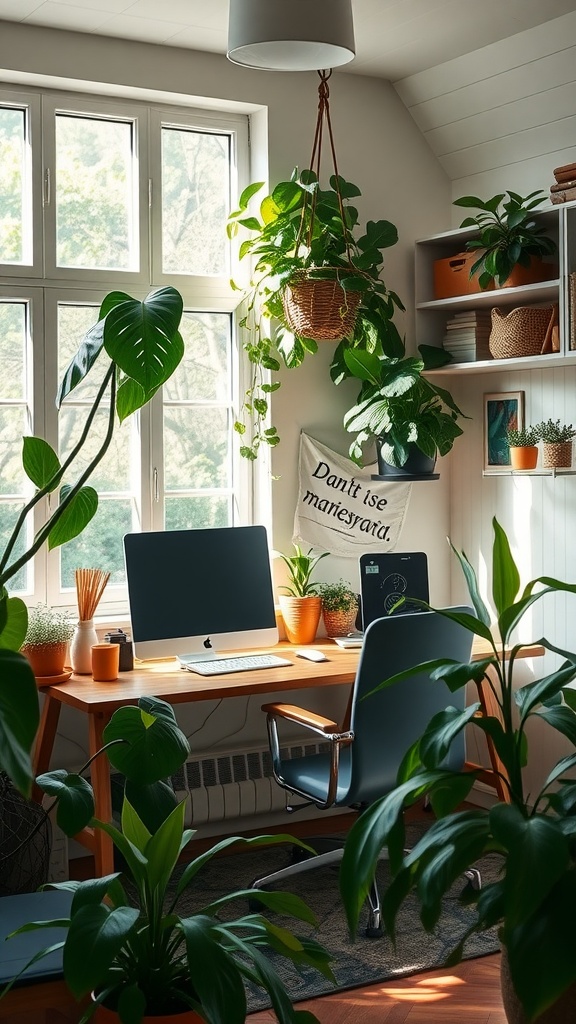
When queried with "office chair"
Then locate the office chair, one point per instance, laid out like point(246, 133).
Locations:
point(367, 749)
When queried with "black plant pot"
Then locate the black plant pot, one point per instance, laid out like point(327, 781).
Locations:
point(418, 464)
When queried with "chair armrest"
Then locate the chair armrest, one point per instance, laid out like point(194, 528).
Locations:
point(303, 717)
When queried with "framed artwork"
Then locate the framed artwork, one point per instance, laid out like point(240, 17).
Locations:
point(503, 411)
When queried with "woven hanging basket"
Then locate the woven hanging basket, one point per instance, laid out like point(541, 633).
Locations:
point(521, 332)
point(319, 309)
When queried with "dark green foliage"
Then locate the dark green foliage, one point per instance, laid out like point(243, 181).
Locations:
point(508, 234)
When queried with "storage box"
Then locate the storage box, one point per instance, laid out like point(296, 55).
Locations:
point(452, 276)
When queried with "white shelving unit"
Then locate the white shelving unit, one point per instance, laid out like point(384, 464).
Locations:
point(432, 314)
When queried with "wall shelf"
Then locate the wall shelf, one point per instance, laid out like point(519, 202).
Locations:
point(529, 472)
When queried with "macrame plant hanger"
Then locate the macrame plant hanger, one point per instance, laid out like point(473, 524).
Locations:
point(316, 305)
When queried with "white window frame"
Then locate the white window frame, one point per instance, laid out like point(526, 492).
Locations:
point(30, 103)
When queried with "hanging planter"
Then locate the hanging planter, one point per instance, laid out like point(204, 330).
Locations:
point(316, 279)
point(319, 309)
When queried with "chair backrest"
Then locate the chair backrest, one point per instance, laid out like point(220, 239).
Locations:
point(387, 723)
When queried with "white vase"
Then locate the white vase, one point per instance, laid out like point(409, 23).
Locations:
point(81, 647)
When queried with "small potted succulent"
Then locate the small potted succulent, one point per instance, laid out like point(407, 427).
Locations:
point(339, 607)
point(46, 642)
point(301, 605)
point(511, 244)
point(557, 443)
point(523, 445)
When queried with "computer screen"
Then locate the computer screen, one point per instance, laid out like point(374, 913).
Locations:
point(386, 577)
point(194, 593)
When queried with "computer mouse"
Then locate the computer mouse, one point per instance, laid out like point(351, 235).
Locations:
point(311, 655)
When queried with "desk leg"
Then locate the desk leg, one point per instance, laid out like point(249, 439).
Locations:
point(45, 741)
point(100, 774)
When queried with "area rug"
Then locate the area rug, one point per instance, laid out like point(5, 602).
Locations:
point(357, 963)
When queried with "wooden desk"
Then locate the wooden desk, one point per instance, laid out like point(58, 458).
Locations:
point(177, 686)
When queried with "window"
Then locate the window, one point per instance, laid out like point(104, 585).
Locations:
point(99, 196)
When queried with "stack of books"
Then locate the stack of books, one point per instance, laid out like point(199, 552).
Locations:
point(564, 188)
point(467, 335)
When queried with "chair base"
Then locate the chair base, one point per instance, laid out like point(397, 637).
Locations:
point(332, 855)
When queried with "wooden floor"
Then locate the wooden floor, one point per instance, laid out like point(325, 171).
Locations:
point(468, 994)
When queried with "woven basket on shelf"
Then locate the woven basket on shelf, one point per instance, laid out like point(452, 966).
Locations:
point(524, 331)
point(319, 309)
point(557, 455)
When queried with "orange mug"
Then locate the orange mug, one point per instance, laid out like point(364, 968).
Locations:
point(105, 662)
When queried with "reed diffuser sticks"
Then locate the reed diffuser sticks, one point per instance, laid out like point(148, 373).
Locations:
point(90, 584)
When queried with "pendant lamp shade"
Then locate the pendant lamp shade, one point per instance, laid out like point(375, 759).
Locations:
point(290, 35)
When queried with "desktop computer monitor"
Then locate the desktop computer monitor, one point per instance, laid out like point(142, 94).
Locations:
point(194, 593)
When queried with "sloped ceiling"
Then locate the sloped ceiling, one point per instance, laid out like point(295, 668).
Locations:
point(490, 84)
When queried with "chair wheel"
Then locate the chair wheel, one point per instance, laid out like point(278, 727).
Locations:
point(374, 933)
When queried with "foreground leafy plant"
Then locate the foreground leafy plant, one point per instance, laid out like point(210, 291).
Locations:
point(534, 835)
point(143, 346)
point(132, 946)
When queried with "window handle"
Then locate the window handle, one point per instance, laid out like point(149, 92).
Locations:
point(155, 489)
point(47, 187)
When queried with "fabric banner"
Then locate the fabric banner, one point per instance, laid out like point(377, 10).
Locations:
point(341, 509)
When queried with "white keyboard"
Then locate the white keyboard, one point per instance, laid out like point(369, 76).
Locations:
point(219, 666)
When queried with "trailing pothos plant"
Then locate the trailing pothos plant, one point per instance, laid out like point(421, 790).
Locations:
point(141, 345)
point(533, 834)
point(303, 226)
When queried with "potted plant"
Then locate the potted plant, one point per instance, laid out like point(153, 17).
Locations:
point(46, 642)
point(412, 419)
point(509, 240)
point(523, 445)
point(533, 834)
point(140, 343)
point(339, 607)
point(305, 240)
point(127, 941)
point(301, 605)
point(557, 443)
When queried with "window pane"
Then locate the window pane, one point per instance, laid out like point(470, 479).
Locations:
point(197, 513)
point(196, 445)
point(15, 200)
point(9, 511)
point(113, 473)
point(13, 422)
point(100, 544)
point(205, 371)
point(195, 201)
point(95, 193)
point(13, 330)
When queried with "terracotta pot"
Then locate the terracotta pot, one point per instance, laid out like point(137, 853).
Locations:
point(301, 617)
point(524, 458)
point(563, 1010)
point(557, 456)
point(105, 1016)
point(46, 659)
point(340, 623)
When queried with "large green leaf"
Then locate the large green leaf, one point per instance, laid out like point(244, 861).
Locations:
point(164, 847)
point(143, 339)
point(505, 575)
point(441, 732)
point(472, 583)
point(538, 855)
point(529, 696)
point(153, 746)
point(95, 937)
point(19, 718)
point(14, 629)
point(80, 509)
point(213, 973)
point(82, 361)
point(152, 803)
point(75, 799)
point(40, 462)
